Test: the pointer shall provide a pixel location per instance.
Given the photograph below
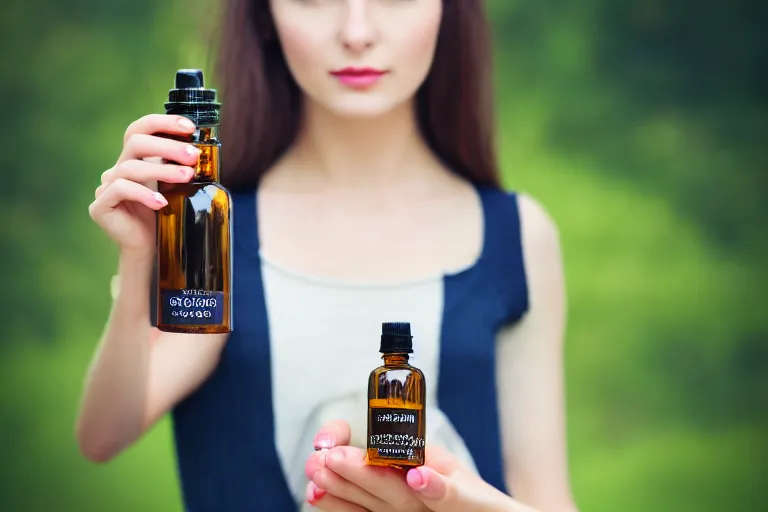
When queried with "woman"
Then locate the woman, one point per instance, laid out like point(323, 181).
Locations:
point(358, 146)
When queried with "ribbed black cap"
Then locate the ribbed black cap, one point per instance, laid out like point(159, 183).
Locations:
point(189, 87)
point(189, 97)
point(396, 338)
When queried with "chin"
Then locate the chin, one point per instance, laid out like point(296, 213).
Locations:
point(360, 106)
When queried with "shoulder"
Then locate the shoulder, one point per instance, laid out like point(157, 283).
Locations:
point(531, 238)
point(523, 246)
point(538, 231)
point(542, 255)
point(523, 220)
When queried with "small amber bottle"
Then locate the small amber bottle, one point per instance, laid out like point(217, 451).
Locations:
point(396, 396)
point(194, 230)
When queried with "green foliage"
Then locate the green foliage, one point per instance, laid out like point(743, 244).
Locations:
point(637, 124)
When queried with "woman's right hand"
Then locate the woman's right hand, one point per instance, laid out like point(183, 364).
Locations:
point(127, 199)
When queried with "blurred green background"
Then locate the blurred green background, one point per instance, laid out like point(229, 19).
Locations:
point(640, 124)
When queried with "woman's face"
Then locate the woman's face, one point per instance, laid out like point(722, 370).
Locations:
point(358, 58)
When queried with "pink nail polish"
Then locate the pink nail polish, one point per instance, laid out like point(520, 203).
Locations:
point(324, 441)
point(416, 480)
point(314, 493)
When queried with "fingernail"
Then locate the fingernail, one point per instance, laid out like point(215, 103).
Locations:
point(192, 150)
point(416, 480)
point(186, 123)
point(187, 172)
point(159, 199)
point(324, 441)
point(314, 493)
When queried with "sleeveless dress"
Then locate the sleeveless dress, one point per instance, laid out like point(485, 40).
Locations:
point(303, 343)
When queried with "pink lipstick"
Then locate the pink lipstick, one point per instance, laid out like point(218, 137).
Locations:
point(358, 78)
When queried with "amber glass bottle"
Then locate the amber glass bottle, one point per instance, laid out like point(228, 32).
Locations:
point(396, 396)
point(194, 231)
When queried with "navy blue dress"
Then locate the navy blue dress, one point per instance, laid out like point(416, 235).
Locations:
point(224, 432)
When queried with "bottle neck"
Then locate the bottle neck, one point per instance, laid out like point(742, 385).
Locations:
point(208, 167)
point(396, 359)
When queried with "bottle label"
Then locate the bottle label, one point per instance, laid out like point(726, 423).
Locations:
point(394, 433)
point(192, 307)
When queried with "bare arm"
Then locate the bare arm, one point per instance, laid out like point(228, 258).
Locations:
point(138, 373)
point(530, 374)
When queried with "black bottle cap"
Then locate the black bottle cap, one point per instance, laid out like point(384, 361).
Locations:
point(190, 98)
point(189, 79)
point(396, 338)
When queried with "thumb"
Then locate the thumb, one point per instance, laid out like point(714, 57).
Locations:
point(458, 491)
point(431, 487)
point(431, 482)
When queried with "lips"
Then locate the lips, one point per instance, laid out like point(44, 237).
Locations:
point(358, 78)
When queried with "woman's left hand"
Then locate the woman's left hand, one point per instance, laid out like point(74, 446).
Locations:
point(341, 481)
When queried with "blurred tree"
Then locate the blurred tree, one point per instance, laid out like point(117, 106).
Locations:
point(82, 71)
point(673, 94)
point(671, 97)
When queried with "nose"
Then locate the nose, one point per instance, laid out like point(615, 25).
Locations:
point(357, 32)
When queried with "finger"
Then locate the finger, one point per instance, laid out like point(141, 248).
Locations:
point(333, 433)
point(144, 172)
point(159, 123)
point(125, 190)
point(386, 484)
point(141, 146)
point(324, 501)
point(345, 490)
point(315, 461)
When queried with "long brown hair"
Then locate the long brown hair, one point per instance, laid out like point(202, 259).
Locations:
point(261, 102)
